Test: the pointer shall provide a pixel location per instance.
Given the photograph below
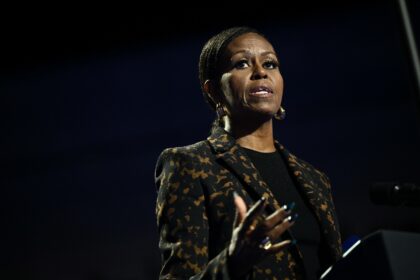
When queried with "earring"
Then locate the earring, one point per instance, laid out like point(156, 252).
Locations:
point(220, 111)
point(281, 114)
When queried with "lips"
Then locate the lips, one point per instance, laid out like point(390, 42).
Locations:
point(261, 91)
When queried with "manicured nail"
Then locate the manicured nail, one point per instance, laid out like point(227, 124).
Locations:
point(290, 206)
point(235, 194)
point(293, 217)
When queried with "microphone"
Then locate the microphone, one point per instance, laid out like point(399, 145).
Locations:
point(395, 194)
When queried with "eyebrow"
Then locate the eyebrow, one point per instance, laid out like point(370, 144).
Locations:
point(248, 52)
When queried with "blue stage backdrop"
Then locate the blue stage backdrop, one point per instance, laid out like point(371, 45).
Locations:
point(84, 123)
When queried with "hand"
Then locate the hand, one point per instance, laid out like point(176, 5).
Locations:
point(252, 230)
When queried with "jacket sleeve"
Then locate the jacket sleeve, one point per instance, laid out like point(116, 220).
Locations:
point(182, 220)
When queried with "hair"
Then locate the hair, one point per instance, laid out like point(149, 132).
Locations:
point(212, 52)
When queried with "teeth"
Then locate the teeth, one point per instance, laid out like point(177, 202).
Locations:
point(261, 92)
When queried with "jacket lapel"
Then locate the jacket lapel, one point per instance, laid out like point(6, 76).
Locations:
point(231, 155)
point(298, 174)
point(318, 197)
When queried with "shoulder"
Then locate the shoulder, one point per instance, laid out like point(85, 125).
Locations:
point(183, 154)
point(181, 158)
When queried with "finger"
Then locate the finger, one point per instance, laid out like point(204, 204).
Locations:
point(277, 217)
point(279, 229)
point(275, 248)
point(255, 212)
point(236, 219)
point(240, 209)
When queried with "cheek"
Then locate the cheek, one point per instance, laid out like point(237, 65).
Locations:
point(280, 86)
point(280, 83)
point(226, 88)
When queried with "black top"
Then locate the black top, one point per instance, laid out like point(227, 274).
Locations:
point(306, 230)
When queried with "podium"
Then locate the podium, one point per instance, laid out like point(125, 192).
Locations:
point(385, 255)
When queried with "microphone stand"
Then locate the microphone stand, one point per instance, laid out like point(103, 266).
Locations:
point(411, 47)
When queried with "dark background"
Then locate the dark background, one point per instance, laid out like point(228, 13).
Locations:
point(90, 98)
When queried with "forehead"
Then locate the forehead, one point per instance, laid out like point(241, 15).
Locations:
point(249, 42)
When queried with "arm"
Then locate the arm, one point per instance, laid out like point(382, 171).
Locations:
point(182, 222)
point(184, 230)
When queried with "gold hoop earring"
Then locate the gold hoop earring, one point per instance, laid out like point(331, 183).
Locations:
point(281, 114)
point(220, 111)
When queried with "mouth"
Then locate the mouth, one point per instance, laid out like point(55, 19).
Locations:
point(261, 91)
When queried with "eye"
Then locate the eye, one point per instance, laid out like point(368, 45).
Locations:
point(271, 64)
point(241, 64)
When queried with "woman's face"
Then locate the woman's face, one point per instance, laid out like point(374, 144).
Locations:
point(251, 81)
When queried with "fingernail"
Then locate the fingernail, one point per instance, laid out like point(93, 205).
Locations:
point(235, 194)
point(293, 217)
point(290, 206)
point(263, 200)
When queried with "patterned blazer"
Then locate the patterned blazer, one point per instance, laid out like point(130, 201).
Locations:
point(195, 209)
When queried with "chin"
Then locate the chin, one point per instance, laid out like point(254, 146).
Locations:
point(263, 114)
point(265, 110)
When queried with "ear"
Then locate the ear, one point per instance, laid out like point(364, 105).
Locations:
point(210, 90)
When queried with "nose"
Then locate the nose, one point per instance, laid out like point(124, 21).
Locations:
point(259, 72)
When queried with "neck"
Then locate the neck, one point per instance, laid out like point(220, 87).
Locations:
point(251, 134)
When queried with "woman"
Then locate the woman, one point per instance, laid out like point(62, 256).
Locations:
point(205, 189)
